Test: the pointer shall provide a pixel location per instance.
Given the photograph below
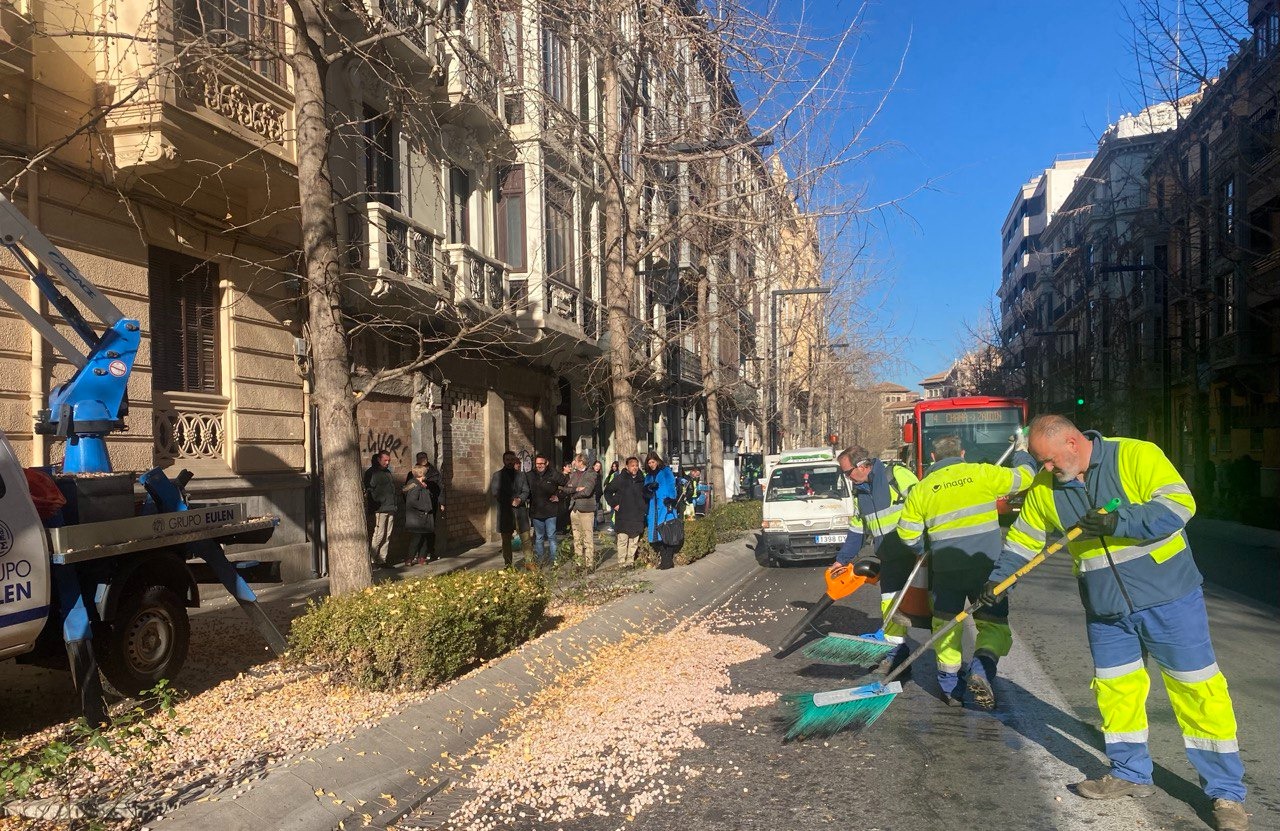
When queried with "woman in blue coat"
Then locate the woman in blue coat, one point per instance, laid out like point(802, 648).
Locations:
point(660, 491)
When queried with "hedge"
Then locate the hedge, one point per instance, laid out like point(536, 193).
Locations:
point(419, 633)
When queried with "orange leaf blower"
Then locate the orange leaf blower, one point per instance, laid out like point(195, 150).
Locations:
point(841, 582)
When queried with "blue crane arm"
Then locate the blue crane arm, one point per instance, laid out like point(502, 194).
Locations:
point(92, 403)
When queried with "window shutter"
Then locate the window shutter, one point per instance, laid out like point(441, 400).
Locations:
point(184, 323)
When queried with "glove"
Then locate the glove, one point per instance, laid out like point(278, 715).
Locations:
point(1095, 524)
point(1020, 443)
point(988, 595)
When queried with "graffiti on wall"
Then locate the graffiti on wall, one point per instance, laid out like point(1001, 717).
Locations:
point(383, 442)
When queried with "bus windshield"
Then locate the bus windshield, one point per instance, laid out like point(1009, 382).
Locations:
point(984, 433)
point(802, 482)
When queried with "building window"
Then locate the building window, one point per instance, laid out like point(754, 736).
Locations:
point(184, 322)
point(559, 232)
point(1226, 214)
point(1266, 32)
point(248, 30)
point(510, 219)
point(555, 66)
point(511, 60)
point(459, 206)
point(381, 159)
point(1225, 307)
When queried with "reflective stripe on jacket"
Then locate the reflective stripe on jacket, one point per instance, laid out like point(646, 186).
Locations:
point(956, 504)
point(877, 506)
point(1148, 562)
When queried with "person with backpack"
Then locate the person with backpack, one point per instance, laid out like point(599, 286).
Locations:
point(879, 491)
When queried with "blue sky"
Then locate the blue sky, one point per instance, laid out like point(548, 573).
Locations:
point(991, 92)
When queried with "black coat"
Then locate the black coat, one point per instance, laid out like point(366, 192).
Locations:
point(543, 486)
point(625, 494)
point(418, 506)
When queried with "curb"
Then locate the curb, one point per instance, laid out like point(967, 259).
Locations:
point(382, 773)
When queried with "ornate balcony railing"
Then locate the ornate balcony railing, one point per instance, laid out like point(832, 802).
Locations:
point(560, 299)
point(406, 16)
point(472, 78)
point(403, 248)
point(189, 427)
point(689, 365)
point(479, 278)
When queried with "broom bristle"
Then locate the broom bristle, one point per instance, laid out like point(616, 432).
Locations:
point(850, 650)
point(811, 719)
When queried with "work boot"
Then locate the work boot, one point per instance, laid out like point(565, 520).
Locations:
point(982, 676)
point(1229, 815)
point(952, 690)
point(1107, 786)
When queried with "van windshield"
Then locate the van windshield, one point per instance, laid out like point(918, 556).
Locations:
point(801, 482)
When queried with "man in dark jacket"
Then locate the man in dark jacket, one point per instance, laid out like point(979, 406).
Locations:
point(382, 500)
point(510, 488)
point(546, 486)
point(583, 482)
point(625, 495)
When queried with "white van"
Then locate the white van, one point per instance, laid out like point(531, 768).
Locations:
point(807, 504)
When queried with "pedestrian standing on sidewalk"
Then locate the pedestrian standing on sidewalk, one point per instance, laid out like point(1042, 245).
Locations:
point(604, 501)
point(582, 511)
point(598, 468)
point(419, 517)
point(381, 503)
point(545, 485)
point(434, 482)
point(1142, 596)
point(625, 495)
point(660, 491)
point(509, 487)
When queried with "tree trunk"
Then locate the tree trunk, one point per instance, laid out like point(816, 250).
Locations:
point(711, 394)
point(332, 392)
point(619, 278)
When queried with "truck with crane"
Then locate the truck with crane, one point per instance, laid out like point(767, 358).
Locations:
point(103, 582)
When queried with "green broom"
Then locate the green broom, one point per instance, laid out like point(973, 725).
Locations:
point(827, 713)
point(861, 650)
point(869, 650)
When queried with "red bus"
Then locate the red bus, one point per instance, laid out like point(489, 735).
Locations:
point(983, 423)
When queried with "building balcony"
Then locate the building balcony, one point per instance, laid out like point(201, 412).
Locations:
point(592, 318)
point(416, 31)
point(395, 245)
point(471, 83)
point(478, 278)
point(688, 366)
point(158, 126)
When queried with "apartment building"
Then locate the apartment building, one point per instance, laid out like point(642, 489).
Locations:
point(1023, 264)
point(468, 199)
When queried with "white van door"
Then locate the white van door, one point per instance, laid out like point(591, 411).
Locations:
point(24, 560)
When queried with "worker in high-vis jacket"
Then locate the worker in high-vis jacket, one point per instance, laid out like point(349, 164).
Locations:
point(955, 507)
point(879, 491)
point(1142, 595)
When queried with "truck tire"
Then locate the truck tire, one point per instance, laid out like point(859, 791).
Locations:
point(763, 557)
point(147, 641)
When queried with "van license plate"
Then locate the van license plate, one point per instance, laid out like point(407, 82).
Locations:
point(829, 539)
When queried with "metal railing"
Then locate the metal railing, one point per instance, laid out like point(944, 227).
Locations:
point(591, 318)
point(480, 278)
point(402, 247)
point(406, 16)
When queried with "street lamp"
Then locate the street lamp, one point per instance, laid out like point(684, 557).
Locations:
point(774, 394)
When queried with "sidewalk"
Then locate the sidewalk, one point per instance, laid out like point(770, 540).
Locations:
point(382, 773)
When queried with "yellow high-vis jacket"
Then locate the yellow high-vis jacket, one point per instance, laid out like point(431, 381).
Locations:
point(955, 504)
point(1148, 562)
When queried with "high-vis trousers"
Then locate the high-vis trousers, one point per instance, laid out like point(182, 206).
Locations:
point(952, 592)
point(1176, 634)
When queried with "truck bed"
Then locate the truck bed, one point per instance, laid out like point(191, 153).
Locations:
point(93, 540)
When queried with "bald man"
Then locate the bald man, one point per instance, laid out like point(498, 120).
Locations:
point(1141, 592)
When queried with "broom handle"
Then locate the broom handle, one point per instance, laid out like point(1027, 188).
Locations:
point(902, 592)
point(1072, 532)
